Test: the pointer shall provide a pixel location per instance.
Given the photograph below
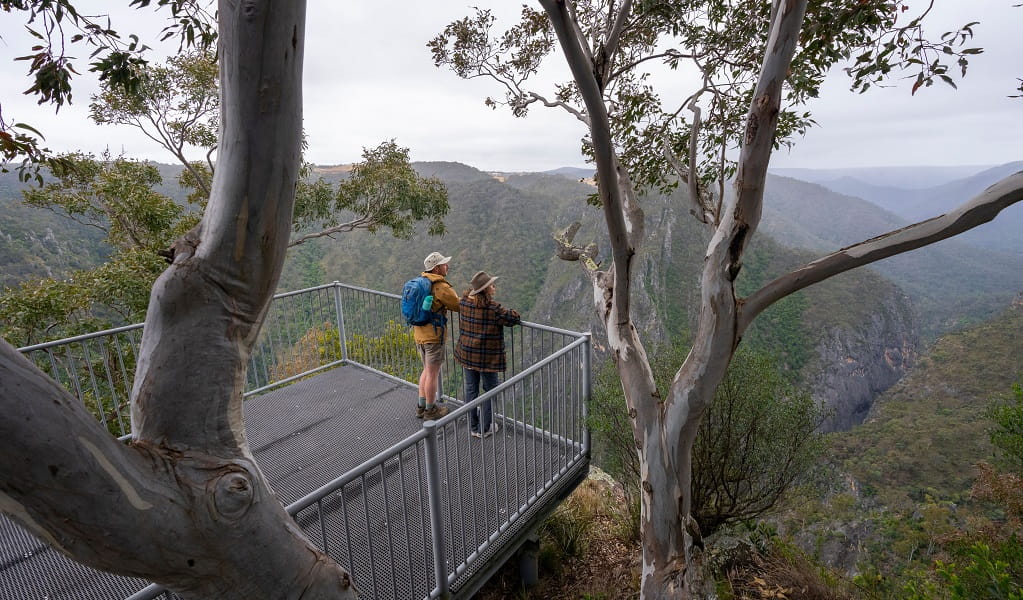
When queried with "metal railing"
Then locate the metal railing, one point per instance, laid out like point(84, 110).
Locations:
point(419, 518)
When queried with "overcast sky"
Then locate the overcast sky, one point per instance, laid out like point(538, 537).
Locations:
point(369, 77)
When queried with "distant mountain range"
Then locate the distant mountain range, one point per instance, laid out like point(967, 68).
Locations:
point(853, 335)
point(919, 193)
point(909, 178)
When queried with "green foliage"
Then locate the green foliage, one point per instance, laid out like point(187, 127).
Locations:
point(176, 104)
point(1007, 414)
point(393, 352)
point(985, 572)
point(117, 198)
point(757, 438)
point(57, 27)
point(382, 191)
point(682, 34)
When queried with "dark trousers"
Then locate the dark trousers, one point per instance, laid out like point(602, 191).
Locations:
point(472, 391)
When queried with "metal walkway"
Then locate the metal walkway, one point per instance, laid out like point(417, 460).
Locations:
point(341, 447)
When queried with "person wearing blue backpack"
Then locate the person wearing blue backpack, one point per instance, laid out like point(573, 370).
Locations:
point(426, 311)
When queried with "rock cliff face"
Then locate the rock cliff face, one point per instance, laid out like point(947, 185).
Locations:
point(856, 344)
point(854, 364)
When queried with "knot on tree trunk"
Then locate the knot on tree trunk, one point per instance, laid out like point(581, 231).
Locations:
point(232, 495)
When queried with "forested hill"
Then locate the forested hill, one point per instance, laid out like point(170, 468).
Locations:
point(914, 200)
point(40, 243)
point(850, 337)
point(951, 283)
point(924, 435)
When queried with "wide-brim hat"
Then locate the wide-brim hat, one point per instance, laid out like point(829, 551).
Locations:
point(481, 281)
point(434, 259)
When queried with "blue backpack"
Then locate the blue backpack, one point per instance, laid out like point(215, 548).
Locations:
point(413, 294)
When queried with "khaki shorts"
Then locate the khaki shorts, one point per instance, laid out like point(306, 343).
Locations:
point(431, 353)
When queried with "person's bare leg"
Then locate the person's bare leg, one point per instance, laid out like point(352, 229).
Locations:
point(428, 382)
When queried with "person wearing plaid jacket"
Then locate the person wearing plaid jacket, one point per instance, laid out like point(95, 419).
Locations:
point(480, 346)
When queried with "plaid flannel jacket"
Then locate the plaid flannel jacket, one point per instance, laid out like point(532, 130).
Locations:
point(480, 345)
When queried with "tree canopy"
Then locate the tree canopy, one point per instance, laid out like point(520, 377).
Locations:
point(757, 64)
point(58, 26)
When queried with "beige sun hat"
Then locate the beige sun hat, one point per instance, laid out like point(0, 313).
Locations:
point(434, 259)
point(481, 281)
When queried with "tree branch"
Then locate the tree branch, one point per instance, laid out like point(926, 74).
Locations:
point(603, 153)
point(342, 228)
point(981, 209)
point(206, 308)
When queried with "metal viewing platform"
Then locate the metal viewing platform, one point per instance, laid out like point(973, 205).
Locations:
point(411, 510)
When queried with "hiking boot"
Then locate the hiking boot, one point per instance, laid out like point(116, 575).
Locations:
point(420, 411)
point(435, 412)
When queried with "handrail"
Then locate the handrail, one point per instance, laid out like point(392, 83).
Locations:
point(364, 326)
point(80, 338)
point(368, 465)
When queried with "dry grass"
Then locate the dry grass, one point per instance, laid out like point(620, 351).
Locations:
point(786, 576)
point(582, 556)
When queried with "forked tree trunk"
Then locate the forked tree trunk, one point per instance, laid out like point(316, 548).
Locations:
point(184, 504)
point(665, 428)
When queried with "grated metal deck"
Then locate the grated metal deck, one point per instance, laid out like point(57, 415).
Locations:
point(311, 432)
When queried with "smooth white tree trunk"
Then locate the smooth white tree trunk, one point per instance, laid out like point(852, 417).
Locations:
point(665, 428)
point(184, 504)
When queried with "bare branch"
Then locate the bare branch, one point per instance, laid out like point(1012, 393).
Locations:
point(977, 211)
point(668, 53)
point(566, 250)
point(362, 223)
point(559, 104)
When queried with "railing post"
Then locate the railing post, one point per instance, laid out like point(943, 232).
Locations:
point(340, 321)
point(587, 390)
point(433, 488)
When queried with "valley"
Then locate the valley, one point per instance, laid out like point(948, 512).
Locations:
point(903, 355)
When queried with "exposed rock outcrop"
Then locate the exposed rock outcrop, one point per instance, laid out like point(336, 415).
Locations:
point(856, 362)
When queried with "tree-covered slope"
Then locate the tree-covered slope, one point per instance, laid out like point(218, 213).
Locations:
point(491, 226)
point(916, 204)
point(950, 283)
point(924, 435)
point(40, 243)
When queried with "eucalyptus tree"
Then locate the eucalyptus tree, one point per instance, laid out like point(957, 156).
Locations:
point(188, 478)
point(58, 27)
point(118, 197)
point(175, 104)
point(756, 62)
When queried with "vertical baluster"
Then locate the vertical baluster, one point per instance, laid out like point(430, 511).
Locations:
point(405, 521)
point(433, 482)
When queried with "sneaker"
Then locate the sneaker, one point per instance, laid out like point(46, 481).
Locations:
point(435, 412)
point(475, 434)
point(494, 428)
point(420, 411)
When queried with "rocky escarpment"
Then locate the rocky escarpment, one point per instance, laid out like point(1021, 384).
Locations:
point(848, 346)
point(856, 362)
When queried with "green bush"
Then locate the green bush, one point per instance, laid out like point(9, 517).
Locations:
point(1006, 412)
point(756, 439)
